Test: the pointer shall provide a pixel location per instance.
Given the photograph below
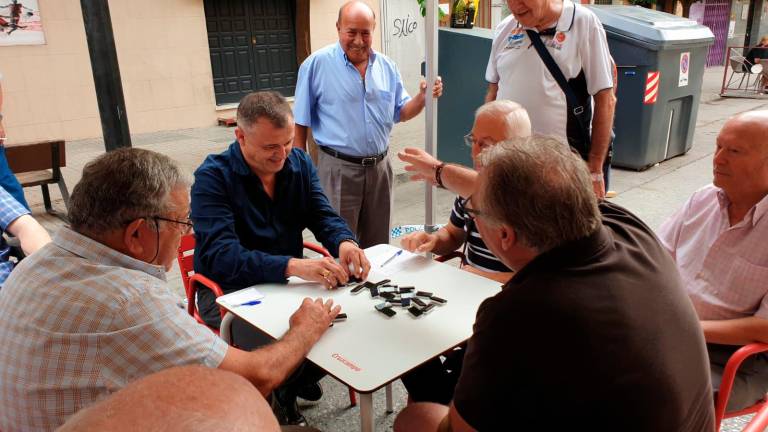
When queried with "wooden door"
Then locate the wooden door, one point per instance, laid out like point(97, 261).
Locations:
point(252, 46)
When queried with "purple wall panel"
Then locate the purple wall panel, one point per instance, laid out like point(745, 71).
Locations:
point(716, 17)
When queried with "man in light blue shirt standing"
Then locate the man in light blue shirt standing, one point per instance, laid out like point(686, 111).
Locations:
point(351, 96)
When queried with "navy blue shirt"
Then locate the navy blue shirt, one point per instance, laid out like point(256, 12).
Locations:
point(242, 236)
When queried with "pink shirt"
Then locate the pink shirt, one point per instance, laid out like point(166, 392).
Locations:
point(724, 268)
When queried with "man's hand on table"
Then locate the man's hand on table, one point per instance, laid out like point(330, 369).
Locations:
point(353, 260)
point(323, 270)
point(313, 318)
point(420, 163)
point(419, 242)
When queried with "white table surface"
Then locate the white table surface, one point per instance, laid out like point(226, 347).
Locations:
point(369, 350)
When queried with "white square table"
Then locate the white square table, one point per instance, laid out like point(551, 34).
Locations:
point(370, 350)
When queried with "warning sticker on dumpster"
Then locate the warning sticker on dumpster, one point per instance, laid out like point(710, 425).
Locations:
point(685, 66)
point(651, 87)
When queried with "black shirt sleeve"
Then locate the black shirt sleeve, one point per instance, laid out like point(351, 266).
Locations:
point(478, 388)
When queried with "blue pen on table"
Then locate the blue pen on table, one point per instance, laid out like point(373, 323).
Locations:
point(397, 254)
point(250, 303)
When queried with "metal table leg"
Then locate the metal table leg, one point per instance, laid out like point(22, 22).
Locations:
point(388, 392)
point(225, 329)
point(366, 412)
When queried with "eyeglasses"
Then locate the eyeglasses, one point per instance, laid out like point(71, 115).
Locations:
point(186, 226)
point(472, 212)
point(469, 141)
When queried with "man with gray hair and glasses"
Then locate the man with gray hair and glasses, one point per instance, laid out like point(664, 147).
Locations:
point(594, 319)
point(91, 311)
point(494, 122)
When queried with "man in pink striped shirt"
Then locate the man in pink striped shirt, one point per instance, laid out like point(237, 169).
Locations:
point(719, 240)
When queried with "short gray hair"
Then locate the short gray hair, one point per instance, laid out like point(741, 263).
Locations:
point(267, 104)
point(515, 117)
point(541, 189)
point(121, 186)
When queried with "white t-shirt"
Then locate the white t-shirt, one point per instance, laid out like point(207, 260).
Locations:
point(579, 43)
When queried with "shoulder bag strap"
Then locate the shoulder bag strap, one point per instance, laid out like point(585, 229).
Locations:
point(577, 109)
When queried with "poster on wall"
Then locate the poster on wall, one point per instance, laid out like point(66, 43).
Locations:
point(402, 35)
point(20, 23)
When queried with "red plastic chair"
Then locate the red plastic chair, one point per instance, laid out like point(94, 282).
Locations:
point(759, 422)
point(192, 281)
point(726, 384)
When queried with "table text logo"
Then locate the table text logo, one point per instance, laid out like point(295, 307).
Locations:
point(346, 362)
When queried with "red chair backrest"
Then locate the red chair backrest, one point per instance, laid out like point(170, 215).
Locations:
point(186, 259)
point(727, 380)
point(317, 248)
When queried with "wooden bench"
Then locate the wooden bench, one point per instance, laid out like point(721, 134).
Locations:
point(227, 121)
point(39, 164)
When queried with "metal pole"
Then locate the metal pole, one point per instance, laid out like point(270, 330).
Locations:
point(106, 73)
point(431, 106)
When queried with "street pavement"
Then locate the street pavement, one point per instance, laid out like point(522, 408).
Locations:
point(652, 194)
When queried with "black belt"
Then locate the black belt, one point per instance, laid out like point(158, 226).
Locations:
point(364, 161)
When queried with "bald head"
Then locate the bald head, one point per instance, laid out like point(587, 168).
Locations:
point(751, 126)
point(355, 27)
point(189, 398)
point(740, 164)
point(498, 121)
point(509, 117)
point(354, 8)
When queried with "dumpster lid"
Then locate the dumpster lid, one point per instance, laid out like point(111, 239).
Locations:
point(651, 26)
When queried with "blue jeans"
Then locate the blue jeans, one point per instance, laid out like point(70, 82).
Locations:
point(9, 182)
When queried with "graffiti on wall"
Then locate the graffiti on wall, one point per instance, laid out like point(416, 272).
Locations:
point(402, 27)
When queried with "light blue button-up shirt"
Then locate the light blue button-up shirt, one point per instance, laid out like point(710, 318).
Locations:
point(345, 113)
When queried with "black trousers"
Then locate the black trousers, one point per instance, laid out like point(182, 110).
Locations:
point(435, 380)
point(247, 338)
point(751, 382)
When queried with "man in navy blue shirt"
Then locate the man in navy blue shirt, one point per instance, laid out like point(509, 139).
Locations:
point(251, 203)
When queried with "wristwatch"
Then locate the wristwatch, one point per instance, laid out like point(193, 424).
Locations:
point(438, 175)
point(597, 177)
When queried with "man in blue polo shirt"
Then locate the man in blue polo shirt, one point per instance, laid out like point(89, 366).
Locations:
point(250, 205)
point(16, 220)
point(351, 96)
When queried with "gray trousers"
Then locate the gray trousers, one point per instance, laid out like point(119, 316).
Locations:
point(751, 382)
point(361, 194)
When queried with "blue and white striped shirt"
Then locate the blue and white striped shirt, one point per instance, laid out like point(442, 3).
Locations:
point(478, 254)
